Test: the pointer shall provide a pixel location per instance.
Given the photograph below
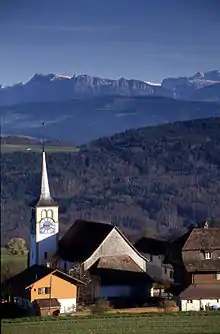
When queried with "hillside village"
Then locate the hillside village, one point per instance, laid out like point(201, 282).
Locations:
point(95, 261)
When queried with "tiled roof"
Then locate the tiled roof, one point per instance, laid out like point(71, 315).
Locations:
point(122, 262)
point(204, 239)
point(201, 265)
point(28, 276)
point(201, 291)
point(34, 273)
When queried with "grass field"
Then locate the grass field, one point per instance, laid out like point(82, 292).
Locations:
point(170, 323)
point(16, 263)
point(9, 148)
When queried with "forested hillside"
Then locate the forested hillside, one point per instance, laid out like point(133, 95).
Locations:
point(162, 177)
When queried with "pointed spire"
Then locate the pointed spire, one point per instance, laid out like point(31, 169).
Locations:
point(45, 189)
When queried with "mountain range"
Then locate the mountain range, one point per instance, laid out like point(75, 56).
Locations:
point(83, 108)
point(52, 88)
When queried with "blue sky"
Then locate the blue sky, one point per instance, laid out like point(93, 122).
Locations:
point(142, 39)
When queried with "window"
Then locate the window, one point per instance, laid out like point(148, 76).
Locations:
point(165, 270)
point(50, 213)
point(151, 258)
point(45, 255)
point(208, 255)
point(43, 214)
point(171, 274)
point(44, 291)
point(189, 301)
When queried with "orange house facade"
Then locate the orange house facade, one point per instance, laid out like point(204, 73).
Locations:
point(42, 283)
point(52, 286)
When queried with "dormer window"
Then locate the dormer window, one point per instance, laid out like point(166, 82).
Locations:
point(208, 255)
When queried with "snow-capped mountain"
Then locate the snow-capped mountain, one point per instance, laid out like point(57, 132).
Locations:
point(192, 88)
point(53, 87)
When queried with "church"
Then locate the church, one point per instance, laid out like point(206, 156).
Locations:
point(90, 254)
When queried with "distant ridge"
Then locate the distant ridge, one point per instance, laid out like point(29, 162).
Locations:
point(44, 88)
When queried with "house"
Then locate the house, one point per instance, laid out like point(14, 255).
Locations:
point(201, 257)
point(173, 256)
point(103, 251)
point(155, 251)
point(40, 284)
point(200, 296)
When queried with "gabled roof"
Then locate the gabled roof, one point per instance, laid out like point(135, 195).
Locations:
point(82, 239)
point(29, 276)
point(32, 274)
point(201, 291)
point(203, 239)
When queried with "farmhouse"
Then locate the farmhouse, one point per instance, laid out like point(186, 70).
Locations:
point(117, 269)
point(201, 257)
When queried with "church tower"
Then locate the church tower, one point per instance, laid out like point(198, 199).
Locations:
point(44, 223)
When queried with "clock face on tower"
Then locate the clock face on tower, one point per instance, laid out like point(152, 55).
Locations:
point(47, 226)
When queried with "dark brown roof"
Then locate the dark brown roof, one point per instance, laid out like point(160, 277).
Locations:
point(46, 302)
point(174, 249)
point(122, 262)
point(28, 276)
point(193, 265)
point(34, 273)
point(203, 238)
point(68, 278)
point(151, 246)
point(201, 291)
point(82, 239)
point(44, 202)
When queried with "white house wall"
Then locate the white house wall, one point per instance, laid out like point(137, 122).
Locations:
point(113, 245)
point(196, 304)
point(67, 305)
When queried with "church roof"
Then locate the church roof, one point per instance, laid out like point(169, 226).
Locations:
point(46, 202)
point(45, 196)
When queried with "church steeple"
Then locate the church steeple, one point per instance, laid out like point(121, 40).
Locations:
point(45, 221)
point(45, 189)
point(45, 196)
